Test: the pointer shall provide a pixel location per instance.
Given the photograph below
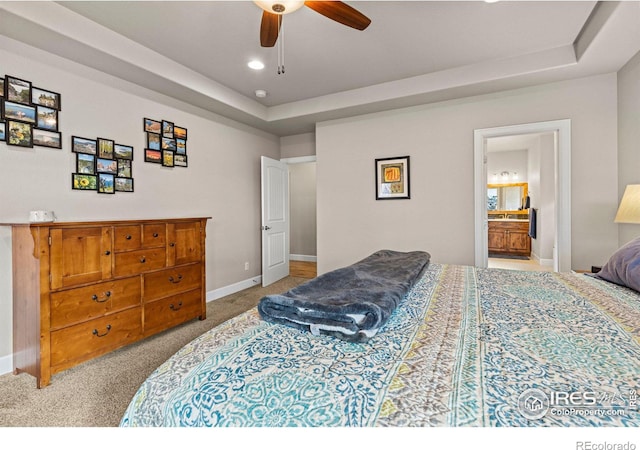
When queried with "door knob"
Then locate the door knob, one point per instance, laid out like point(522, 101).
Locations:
point(266, 227)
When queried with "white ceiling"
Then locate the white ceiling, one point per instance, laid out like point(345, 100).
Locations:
point(413, 52)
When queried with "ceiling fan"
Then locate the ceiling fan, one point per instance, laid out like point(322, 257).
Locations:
point(334, 10)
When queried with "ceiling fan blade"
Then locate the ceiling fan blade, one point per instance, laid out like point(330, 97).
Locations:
point(269, 28)
point(340, 12)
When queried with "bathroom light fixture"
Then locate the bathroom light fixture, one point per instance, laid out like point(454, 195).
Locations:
point(255, 64)
point(261, 93)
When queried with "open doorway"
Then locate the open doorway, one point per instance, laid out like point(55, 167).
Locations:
point(520, 182)
point(558, 210)
point(303, 236)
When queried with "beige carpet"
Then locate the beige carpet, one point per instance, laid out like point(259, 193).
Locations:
point(97, 393)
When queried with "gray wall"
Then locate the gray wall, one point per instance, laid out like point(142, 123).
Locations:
point(222, 180)
point(628, 137)
point(439, 217)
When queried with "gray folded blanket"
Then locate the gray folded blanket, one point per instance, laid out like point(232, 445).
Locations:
point(351, 303)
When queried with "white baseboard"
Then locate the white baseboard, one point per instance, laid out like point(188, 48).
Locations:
point(6, 364)
point(233, 288)
point(542, 262)
point(309, 258)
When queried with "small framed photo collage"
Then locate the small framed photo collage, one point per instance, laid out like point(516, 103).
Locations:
point(102, 165)
point(166, 143)
point(28, 114)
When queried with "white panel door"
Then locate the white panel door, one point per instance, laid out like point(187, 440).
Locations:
point(275, 220)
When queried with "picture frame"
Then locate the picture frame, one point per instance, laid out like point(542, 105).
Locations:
point(168, 158)
point(1, 87)
point(47, 118)
point(168, 144)
point(153, 141)
point(124, 168)
point(3, 131)
point(179, 132)
point(152, 126)
point(83, 145)
point(106, 183)
point(46, 138)
point(167, 129)
point(85, 164)
point(18, 111)
point(180, 160)
point(105, 165)
point(19, 134)
point(84, 182)
point(181, 146)
point(123, 151)
point(124, 184)
point(153, 156)
point(44, 97)
point(105, 148)
point(392, 178)
point(17, 90)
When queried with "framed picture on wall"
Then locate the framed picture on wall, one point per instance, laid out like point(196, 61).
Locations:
point(3, 128)
point(153, 156)
point(392, 178)
point(123, 151)
point(180, 160)
point(167, 158)
point(153, 141)
point(18, 111)
point(46, 98)
point(19, 133)
point(17, 90)
point(124, 184)
point(45, 138)
point(83, 145)
point(105, 148)
point(84, 182)
point(106, 183)
point(1, 87)
point(124, 168)
point(167, 129)
point(180, 133)
point(47, 118)
point(85, 164)
point(152, 126)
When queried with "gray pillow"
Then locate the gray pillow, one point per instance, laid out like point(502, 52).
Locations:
point(623, 267)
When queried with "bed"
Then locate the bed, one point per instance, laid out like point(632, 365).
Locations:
point(464, 347)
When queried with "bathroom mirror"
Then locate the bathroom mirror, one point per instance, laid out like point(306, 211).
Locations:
point(506, 197)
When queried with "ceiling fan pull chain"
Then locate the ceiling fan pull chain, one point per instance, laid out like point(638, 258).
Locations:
point(281, 50)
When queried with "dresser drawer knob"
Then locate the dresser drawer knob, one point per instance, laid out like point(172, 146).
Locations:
point(128, 237)
point(143, 260)
point(155, 234)
point(175, 308)
point(173, 244)
point(176, 280)
point(95, 332)
point(107, 253)
point(95, 298)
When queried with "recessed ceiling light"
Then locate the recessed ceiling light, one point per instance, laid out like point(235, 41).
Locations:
point(256, 65)
point(261, 93)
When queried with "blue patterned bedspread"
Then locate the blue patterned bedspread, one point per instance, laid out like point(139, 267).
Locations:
point(466, 347)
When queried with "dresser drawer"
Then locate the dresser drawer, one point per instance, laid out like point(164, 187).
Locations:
point(77, 305)
point(171, 281)
point(169, 312)
point(95, 337)
point(139, 261)
point(127, 237)
point(154, 235)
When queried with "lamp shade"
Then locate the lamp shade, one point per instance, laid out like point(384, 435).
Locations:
point(629, 209)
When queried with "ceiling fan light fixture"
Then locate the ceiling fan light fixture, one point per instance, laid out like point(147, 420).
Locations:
point(280, 7)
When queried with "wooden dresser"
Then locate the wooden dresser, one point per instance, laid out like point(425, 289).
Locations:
point(509, 237)
point(82, 289)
